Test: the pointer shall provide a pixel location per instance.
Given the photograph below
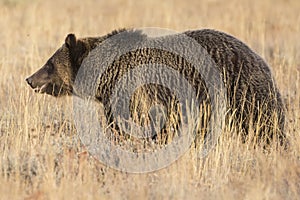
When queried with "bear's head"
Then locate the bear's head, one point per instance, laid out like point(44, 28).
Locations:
point(56, 77)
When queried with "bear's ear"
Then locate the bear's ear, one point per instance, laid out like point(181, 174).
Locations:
point(70, 40)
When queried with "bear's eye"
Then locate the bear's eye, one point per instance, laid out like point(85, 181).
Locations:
point(49, 67)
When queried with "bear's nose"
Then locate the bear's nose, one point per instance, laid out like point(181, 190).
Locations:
point(29, 81)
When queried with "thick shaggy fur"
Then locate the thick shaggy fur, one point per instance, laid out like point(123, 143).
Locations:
point(253, 98)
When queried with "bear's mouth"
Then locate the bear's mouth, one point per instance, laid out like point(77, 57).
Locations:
point(53, 89)
point(47, 88)
point(41, 89)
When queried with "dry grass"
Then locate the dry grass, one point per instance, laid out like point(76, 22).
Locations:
point(41, 156)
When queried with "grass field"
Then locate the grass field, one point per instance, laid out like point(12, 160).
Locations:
point(40, 153)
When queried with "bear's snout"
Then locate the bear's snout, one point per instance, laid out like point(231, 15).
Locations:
point(38, 85)
point(38, 81)
point(39, 78)
point(33, 82)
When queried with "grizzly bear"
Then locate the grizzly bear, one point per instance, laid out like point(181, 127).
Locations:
point(253, 98)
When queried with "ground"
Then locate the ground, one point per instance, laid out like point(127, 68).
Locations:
point(41, 156)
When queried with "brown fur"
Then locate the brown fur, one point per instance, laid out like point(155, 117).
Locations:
point(253, 98)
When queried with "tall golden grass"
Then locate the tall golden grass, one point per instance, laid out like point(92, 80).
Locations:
point(41, 155)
